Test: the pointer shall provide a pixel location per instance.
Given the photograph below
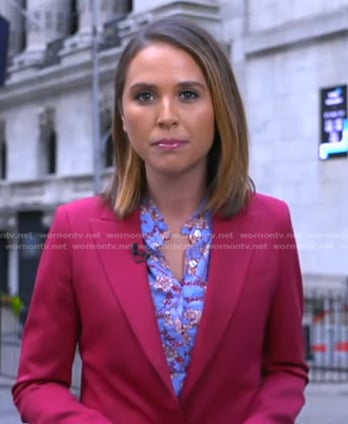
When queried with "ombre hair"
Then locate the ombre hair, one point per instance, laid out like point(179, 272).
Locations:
point(228, 183)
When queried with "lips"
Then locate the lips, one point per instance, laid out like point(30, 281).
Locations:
point(170, 143)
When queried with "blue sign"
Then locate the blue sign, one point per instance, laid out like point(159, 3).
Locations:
point(334, 123)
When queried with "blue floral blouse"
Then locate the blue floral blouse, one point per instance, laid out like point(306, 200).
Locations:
point(178, 304)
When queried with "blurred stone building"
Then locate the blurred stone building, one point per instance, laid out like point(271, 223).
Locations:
point(284, 54)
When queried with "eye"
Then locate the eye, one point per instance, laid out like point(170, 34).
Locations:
point(188, 95)
point(144, 97)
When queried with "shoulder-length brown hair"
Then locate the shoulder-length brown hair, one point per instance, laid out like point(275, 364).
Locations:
point(228, 185)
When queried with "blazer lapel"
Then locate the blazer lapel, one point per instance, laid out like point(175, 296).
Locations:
point(229, 264)
point(129, 282)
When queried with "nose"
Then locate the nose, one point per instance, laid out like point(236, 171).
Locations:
point(167, 115)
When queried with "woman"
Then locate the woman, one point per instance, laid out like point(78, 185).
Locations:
point(187, 305)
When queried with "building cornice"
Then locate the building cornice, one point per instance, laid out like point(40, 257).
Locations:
point(35, 84)
point(46, 192)
point(299, 32)
point(48, 82)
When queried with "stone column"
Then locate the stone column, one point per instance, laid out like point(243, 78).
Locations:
point(12, 13)
point(203, 12)
point(53, 20)
point(107, 10)
point(234, 36)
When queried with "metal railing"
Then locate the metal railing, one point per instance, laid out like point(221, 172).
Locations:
point(10, 341)
point(10, 345)
point(325, 331)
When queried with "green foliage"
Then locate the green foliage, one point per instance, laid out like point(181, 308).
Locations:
point(13, 301)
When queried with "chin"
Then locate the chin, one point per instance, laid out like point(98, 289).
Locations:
point(171, 171)
point(176, 169)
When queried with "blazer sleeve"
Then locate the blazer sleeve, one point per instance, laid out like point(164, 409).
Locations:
point(42, 390)
point(281, 396)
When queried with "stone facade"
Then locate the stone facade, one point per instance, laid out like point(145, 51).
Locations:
point(282, 52)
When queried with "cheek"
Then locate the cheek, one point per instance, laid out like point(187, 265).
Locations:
point(127, 117)
point(135, 121)
point(207, 125)
point(136, 132)
point(129, 127)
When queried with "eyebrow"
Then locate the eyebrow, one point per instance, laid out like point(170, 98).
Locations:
point(182, 84)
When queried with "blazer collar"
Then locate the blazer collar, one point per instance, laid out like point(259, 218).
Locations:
point(128, 279)
point(129, 283)
point(228, 268)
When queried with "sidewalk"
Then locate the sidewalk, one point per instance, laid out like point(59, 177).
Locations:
point(326, 404)
point(8, 414)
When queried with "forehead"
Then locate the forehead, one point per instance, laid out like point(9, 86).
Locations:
point(162, 59)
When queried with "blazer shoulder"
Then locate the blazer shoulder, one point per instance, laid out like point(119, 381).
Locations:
point(82, 210)
point(270, 209)
point(269, 204)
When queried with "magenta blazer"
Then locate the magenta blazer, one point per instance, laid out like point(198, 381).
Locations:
point(248, 363)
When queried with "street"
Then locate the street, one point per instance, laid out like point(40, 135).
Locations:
point(8, 414)
point(326, 404)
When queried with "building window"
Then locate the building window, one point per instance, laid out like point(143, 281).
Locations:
point(24, 27)
point(108, 151)
point(51, 153)
point(48, 143)
point(4, 261)
point(3, 165)
point(106, 137)
point(128, 6)
point(3, 153)
point(74, 17)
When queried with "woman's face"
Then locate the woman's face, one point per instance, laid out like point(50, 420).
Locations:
point(167, 111)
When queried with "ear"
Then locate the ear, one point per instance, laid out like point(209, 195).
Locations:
point(124, 124)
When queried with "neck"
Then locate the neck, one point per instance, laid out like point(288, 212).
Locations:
point(177, 197)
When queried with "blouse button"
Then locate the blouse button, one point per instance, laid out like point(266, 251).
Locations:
point(192, 263)
point(195, 235)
